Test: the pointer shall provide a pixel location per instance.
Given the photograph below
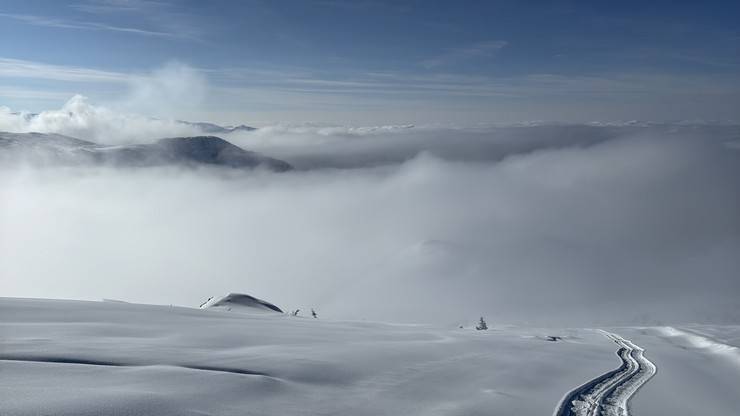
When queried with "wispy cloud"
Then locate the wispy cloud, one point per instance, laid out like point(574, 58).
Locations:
point(163, 20)
point(396, 84)
point(283, 89)
point(171, 19)
point(172, 86)
point(33, 94)
point(16, 68)
point(37, 20)
point(476, 50)
point(364, 5)
point(117, 6)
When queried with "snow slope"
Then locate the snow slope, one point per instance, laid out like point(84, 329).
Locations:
point(83, 358)
point(87, 358)
point(697, 375)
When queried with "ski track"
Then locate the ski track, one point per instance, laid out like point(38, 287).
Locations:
point(609, 394)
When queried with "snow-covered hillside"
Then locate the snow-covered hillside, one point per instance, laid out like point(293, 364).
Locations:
point(55, 149)
point(88, 358)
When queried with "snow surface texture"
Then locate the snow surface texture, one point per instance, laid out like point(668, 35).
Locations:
point(88, 358)
point(697, 374)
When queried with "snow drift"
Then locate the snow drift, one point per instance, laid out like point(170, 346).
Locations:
point(239, 302)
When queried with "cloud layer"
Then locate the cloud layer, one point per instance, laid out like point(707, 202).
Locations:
point(78, 118)
point(543, 224)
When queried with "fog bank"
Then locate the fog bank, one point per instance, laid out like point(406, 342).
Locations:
point(546, 224)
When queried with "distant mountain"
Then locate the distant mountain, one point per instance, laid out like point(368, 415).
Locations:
point(210, 128)
point(38, 148)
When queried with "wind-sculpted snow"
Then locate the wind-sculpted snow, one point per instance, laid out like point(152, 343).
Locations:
point(76, 358)
point(698, 370)
point(609, 394)
point(85, 358)
point(51, 359)
point(696, 339)
point(239, 301)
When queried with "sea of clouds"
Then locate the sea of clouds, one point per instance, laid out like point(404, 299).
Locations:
point(545, 224)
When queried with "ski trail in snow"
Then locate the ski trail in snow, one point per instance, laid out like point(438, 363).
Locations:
point(609, 394)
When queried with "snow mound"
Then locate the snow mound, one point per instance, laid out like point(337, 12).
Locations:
point(239, 301)
point(686, 338)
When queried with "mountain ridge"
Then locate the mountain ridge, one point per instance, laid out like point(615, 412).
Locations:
point(41, 148)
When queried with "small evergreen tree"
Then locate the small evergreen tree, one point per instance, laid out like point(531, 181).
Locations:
point(482, 326)
point(313, 313)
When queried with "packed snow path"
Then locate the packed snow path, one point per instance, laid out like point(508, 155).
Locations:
point(609, 394)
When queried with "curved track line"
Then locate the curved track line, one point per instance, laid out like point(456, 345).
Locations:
point(609, 394)
point(82, 361)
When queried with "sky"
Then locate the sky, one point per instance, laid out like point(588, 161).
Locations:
point(372, 62)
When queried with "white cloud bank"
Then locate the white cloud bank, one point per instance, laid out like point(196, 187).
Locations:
point(564, 224)
point(175, 87)
point(169, 92)
point(78, 118)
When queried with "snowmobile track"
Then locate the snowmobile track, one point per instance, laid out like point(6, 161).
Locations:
point(609, 394)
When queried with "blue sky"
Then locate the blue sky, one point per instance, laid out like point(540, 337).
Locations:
point(368, 61)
